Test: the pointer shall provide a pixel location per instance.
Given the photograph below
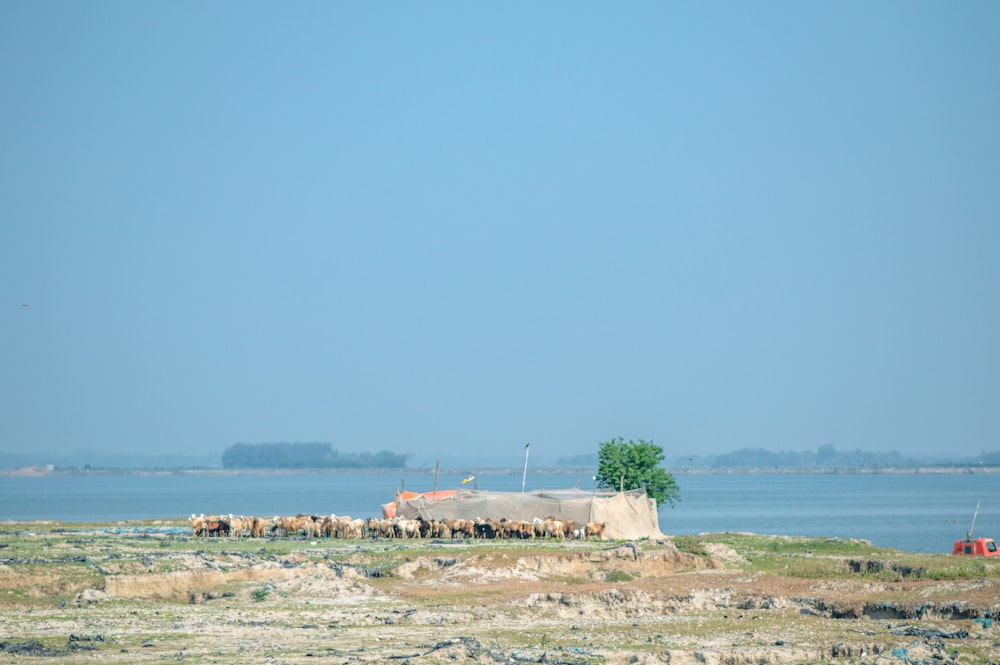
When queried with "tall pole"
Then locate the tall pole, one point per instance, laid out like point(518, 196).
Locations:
point(437, 466)
point(525, 476)
point(968, 535)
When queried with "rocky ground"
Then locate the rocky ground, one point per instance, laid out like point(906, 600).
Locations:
point(151, 593)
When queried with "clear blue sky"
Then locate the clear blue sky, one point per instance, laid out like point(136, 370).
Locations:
point(453, 228)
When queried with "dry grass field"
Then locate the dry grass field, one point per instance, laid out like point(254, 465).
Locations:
point(148, 592)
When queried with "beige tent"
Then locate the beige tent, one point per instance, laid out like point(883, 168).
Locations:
point(626, 515)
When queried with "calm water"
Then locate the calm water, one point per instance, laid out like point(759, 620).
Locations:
point(913, 512)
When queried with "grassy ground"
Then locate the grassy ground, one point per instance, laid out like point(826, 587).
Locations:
point(148, 592)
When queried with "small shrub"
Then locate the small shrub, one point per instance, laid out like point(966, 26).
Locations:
point(620, 576)
point(260, 594)
point(691, 545)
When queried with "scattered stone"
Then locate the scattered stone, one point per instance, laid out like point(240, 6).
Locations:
point(931, 633)
point(31, 648)
point(91, 596)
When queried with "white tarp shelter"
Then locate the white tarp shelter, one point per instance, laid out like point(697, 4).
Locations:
point(626, 515)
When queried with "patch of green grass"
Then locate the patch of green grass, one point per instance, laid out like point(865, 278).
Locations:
point(943, 567)
point(573, 581)
point(792, 556)
point(746, 542)
point(49, 584)
point(620, 576)
point(691, 545)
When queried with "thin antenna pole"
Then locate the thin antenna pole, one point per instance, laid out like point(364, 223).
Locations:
point(525, 476)
point(437, 466)
point(968, 536)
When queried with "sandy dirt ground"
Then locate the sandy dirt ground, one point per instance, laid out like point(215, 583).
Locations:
point(78, 596)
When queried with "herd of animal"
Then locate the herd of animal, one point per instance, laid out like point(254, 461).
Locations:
point(340, 526)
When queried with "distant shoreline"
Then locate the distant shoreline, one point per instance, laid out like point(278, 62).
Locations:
point(41, 472)
point(896, 470)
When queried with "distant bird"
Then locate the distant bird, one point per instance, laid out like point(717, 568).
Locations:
point(24, 304)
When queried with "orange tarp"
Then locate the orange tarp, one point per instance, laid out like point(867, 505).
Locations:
point(389, 509)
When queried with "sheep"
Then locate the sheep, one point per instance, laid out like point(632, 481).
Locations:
point(407, 528)
point(381, 528)
point(258, 527)
point(461, 528)
point(217, 526)
point(484, 529)
point(197, 523)
point(236, 526)
point(342, 526)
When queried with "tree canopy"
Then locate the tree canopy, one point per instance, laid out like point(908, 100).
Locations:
point(633, 465)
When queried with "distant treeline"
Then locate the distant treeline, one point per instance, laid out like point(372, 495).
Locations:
point(305, 456)
point(824, 457)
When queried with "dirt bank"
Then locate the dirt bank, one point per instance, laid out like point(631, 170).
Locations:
point(79, 595)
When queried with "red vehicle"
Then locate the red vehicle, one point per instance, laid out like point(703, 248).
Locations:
point(977, 547)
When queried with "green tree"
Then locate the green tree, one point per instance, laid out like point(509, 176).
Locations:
point(633, 465)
